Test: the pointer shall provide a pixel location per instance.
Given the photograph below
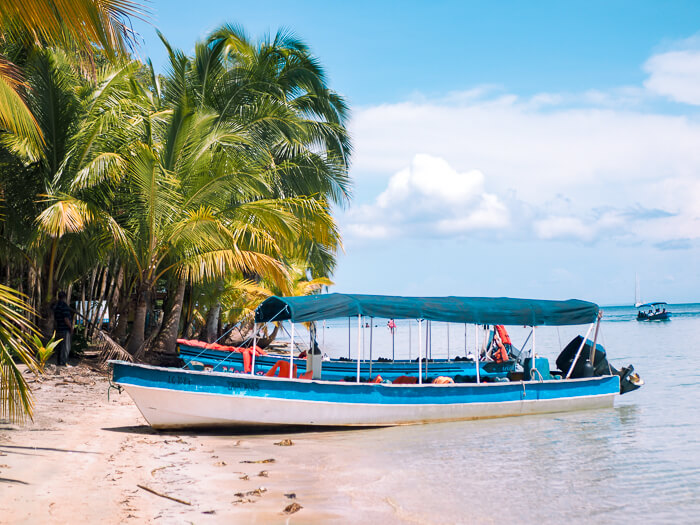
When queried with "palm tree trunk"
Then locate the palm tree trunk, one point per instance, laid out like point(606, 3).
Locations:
point(212, 326)
point(46, 323)
point(166, 339)
point(138, 329)
point(119, 332)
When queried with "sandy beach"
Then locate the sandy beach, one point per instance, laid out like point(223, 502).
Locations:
point(88, 459)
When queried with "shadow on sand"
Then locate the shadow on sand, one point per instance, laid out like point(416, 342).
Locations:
point(237, 432)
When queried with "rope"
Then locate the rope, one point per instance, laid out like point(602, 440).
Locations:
point(538, 373)
point(226, 333)
point(219, 339)
point(114, 386)
point(294, 343)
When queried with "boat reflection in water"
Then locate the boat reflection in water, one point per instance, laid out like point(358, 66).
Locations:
point(173, 398)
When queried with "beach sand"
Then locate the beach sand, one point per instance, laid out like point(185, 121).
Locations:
point(83, 457)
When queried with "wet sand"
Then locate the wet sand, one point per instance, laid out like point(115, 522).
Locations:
point(83, 458)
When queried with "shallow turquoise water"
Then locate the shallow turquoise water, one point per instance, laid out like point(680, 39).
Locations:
point(639, 461)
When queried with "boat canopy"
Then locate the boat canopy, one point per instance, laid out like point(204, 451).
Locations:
point(647, 305)
point(474, 310)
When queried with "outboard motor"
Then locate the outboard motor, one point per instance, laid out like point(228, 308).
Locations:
point(629, 380)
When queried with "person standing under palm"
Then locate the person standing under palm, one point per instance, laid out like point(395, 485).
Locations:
point(64, 327)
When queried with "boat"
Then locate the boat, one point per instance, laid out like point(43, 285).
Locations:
point(223, 358)
point(637, 293)
point(183, 398)
point(653, 312)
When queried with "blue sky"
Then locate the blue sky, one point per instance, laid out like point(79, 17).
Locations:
point(541, 149)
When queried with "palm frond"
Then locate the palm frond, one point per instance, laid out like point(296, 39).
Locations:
point(16, 333)
point(15, 115)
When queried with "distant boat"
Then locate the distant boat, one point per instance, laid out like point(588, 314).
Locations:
point(637, 294)
point(653, 312)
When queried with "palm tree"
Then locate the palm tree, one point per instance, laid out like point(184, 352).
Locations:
point(62, 179)
point(178, 215)
point(82, 24)
point(294, 144)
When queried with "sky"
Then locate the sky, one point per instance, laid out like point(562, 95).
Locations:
point(524, 149)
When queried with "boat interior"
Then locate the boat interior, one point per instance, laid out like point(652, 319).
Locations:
point(499, 361)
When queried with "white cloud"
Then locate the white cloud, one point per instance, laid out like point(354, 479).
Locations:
point(429, 197)
point(547, 163)
point(675, 74)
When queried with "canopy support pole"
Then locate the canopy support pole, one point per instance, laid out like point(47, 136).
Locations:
point(465, 340)
point(409, 341)
point(580, 348)
point(393, 345)
point(532, 361)
point(371, 327)
point(359, 345)
point(348, 338)
point(255, 341)
point(477, 354)
point(428, 344)
point(420, 352)
point(291, 353)
point(595, 337)
point(448, 341)
point(522, 346)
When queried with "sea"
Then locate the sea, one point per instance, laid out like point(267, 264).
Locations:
point(638, 462)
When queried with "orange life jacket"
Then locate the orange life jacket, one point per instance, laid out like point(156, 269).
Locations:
point(503, 334)
point(501, 354)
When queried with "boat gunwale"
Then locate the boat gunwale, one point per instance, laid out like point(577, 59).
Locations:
point(229, 375)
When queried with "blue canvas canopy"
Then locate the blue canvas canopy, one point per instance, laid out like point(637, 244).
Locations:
point(475, 310)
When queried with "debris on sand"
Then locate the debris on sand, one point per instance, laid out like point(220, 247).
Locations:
point(291, 495)
point(144, 487)
point(285, 443)
point(257, 492)
point(244, 477)
point(292, 508)
point(153, 472)
point(263, 474)
point(247, 500)
point(269, 460)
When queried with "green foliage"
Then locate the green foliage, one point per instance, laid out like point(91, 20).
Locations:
point(223, 170)
point(16, 346)
point(44, 351)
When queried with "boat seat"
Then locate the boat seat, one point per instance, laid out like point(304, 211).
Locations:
point(405, 380)
point(281, 369)
point(377, 379)
point(305, 375)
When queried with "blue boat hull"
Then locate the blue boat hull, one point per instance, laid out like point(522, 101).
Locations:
point(174, 398)
point(335, 370)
